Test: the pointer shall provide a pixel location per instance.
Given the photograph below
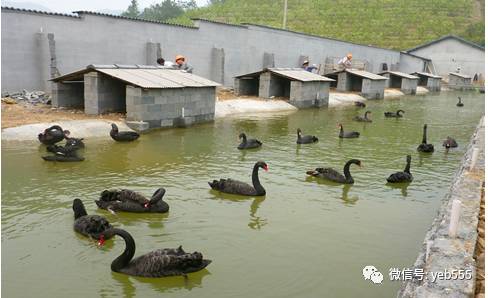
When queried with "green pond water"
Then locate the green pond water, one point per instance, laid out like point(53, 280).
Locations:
point(306, 238)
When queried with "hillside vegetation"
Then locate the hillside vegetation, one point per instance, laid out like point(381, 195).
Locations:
point(395, 24)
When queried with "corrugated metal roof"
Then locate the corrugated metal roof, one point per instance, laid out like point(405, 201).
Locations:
point(144, 76)
point(365, 74)
point(299, 74)
point(361, 73)
point(295, 74)
point(426, 74)
point(464, 76)
point(400, 74)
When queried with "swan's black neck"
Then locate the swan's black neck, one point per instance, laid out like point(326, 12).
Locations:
point(79, 210)
point(424, 137)
point(347, 173)
point(407, 167)
point(157, 196)
point(299, 135)
point(366, 115)
point(255, 181)
point(130, 248)
point(459, 99)
point(341, 133)
point(244, 138)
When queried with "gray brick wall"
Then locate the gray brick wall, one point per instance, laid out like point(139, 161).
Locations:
point(163, 107)
point(309, 94)
point(103, 94)
point(372, 89)
point(434, 84)
point(67, 95)
point(409, 86)
point(459, 83)
point(342, 82)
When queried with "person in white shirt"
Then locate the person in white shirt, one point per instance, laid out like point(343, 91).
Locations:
point(165, 63)
point(346, 61)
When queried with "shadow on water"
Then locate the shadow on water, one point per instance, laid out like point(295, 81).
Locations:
point(162, 284)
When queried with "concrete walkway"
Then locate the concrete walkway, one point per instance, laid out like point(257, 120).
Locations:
point(440, 252)
point(78, 129)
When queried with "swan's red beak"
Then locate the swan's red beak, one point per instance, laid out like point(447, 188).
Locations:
point(266, 168)
point(101, 241)
point(146, 205)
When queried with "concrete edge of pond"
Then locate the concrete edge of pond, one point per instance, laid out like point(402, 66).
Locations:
point(223, 108)
point(78, 128)
point(439, 252)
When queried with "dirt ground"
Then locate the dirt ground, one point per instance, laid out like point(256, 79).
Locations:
point(21, 114)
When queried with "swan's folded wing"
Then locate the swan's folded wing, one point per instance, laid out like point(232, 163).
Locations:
point(235, 186)
point(129, 195)
point(159, 263)
point(329, 172)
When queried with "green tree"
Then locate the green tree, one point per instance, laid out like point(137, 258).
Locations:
point(167, 9)
point(132, 11)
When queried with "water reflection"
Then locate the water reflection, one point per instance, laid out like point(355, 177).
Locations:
point(348, 200)
point(256, 222)
point(401, 186)
point(163, 285)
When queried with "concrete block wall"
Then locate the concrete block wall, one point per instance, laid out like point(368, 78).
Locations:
point(163, 107)
point(67, 95)
point(270, 85)
point(244, 86)
point(309, 94)
point(449, 54)
point(434, 84)
point(343, 83)
point(103, 94)
point(373, 89)
point(78, 40)
point(268, 60)
point(458, 83)
point(409, 86)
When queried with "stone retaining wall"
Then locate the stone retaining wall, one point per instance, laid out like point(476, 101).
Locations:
point(440, 252)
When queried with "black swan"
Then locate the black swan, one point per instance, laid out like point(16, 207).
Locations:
point(347, 134)
point(52, 135)
point(131, 201)
point(88, 225)
point(404, 176)
point(333, 175)
point(248, 143)
point(363, 119)
point(72, 144)
point(241, 188)
point(424, 147)
point(450, 143)
point(305, 139)
point(460, 104)
point(395, 115)
point(359, 104)
point(158, 263)
point(62, 157)
point(123, 136)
